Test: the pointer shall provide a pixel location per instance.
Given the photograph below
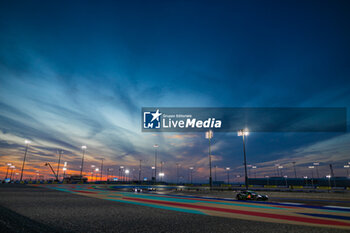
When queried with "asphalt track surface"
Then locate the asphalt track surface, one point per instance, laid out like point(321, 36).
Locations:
point(68, 208)
point(317, 199)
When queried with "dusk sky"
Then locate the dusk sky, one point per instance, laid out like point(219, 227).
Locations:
point(76, 73)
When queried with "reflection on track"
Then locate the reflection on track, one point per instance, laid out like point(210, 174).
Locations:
point(336, 217)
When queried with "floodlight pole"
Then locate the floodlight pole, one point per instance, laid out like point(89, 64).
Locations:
point(177, 173)
point(155, 163)
point(59, 161)
point(24, 159)
point(209, 135)
point(140, 172)
point(82, 163)
point(295, 171)
point(245, 164)
point(101, 169)
point(243, 133)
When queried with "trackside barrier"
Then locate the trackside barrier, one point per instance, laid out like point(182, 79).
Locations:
point(270, 186)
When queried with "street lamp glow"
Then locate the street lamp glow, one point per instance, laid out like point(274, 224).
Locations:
point(26, 141)
point(161, 174)
point(328, 176)
point(311, 166)
point(127, 171)
point(64, 169)
point(97, 169)
point(227, 168)
point(253, 167)
point(84, 147)
point(346, 166)
point(155, 145)
point(280, 167)
point(316, 164)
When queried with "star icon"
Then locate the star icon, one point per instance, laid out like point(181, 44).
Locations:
point(156, 115)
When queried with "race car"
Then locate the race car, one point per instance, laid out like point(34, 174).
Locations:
point(136, 190)
point(250, 195)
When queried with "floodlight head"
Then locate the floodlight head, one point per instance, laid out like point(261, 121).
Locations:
point(243, 132)
point(209, 134)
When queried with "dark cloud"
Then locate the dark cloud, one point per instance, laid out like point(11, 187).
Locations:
point(69, 79)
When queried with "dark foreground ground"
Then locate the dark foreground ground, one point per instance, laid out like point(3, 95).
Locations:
point(30, 209)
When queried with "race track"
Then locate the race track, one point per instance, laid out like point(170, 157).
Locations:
point(286, 213)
